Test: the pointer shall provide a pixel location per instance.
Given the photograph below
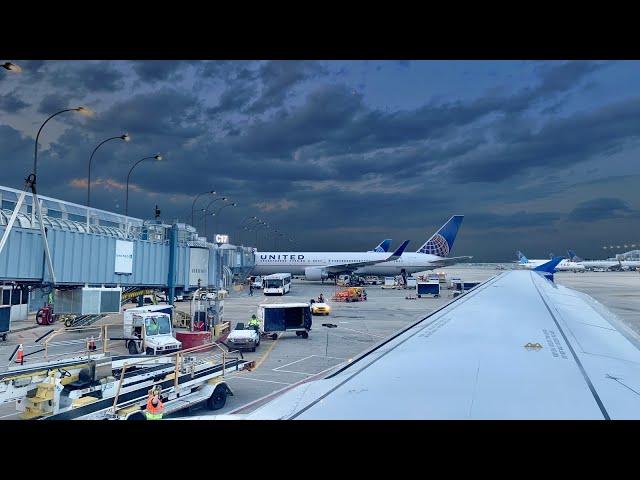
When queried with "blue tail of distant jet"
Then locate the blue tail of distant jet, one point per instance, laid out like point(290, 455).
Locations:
point(441, 242)
point(573, 257)
point(521, 258)
point(383, 246)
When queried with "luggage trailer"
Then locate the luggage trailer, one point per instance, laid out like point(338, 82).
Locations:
point(117, 388)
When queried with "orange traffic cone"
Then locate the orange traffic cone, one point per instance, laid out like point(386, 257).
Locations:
point(92, 344)
point(20, 355)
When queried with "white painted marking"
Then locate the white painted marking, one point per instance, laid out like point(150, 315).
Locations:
point(257, 380)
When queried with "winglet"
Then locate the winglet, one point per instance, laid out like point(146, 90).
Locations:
point(398, 253)
point(550, 266)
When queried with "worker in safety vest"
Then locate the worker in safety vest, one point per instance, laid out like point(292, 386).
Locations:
point(255, 323)
point(155, 407)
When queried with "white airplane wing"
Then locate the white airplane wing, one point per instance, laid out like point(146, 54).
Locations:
point(446, 261)
point(352, 267)
point(516, 347)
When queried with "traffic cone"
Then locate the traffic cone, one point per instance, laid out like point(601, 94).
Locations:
point(20, 355)
point(92, 344)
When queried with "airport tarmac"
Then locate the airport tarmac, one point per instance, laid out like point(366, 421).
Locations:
point(289, 359)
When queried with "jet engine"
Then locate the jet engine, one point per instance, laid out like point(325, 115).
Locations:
point(315, 273)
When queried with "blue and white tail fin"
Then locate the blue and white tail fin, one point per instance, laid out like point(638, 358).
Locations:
point(547, 269)
point(383, 246)
point(521, 258)
point(441, 242)
point(573, 257)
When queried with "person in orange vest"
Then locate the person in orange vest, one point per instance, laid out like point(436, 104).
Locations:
point(155, 407)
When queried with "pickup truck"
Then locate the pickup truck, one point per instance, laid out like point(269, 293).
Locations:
point(244, 337)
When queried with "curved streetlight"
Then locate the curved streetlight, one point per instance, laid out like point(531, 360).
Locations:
point(126, 138)
point(12, 67)
point(217, 213)
point(242, 225)
point(82, 110)
point(205, 211)
point(193, 205)
point(156, 157)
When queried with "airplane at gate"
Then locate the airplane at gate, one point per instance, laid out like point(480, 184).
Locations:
point(434, 253)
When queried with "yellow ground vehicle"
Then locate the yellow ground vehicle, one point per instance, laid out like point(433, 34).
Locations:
point(320, 308)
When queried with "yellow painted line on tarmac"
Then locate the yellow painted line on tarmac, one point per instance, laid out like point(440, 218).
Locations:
point(264, 357)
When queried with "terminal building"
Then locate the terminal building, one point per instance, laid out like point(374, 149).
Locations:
point(97, 248)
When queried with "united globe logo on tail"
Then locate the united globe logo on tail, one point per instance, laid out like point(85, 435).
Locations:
point(441, 242)
point(437, 245)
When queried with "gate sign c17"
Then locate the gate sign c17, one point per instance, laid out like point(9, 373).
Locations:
point(220, 238)
point(124, 257)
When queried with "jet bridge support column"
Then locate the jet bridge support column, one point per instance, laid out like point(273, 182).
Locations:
point(173, 247)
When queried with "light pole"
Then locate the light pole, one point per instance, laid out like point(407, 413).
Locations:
point(156, 157)
point(126, 138)
point(193, 205)
point(242, 225)
point(83, 110)
point(30, 184)
point(12, 67)
point(224, 199)
point(217, 214)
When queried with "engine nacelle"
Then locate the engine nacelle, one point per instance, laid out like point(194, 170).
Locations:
point(315, 273)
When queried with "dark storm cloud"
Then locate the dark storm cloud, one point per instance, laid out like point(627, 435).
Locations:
point(12, 103)
point(279, 78)
point(522, 219)
point(558, 144)
point(88, 77)
point(153, 71)
point(600, 209)
point(234, 98)
point(166, 113)
point(337, 116)
point(53, 102)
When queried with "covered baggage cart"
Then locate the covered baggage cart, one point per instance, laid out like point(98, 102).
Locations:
point(276, 318)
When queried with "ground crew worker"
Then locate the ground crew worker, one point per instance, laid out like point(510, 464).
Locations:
point(155, 407)
point(255, 323)
point(251, 289)
point(321, 298)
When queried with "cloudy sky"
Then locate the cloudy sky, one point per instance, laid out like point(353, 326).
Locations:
point(538, 156)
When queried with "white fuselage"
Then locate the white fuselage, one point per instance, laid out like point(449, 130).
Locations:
point(564, 266)
point(296, 262)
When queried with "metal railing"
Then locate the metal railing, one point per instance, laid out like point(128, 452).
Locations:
point(179, 365)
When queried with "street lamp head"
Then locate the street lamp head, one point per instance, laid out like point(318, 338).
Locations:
point(234, 204)
point(158, 157)
point(224, 199)
point(125, 137)
point(84, 111)
point(213, 192)
point(12, 67)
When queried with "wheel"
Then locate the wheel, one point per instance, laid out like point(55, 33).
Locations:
point(258, 342)
point(218, 398)
point(137, 416)
point(298, 334)
point(274, 336)
point(304, 334)
point(133, 349)
point(4, 337)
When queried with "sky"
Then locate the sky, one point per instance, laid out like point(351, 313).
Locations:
point(540, 156)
